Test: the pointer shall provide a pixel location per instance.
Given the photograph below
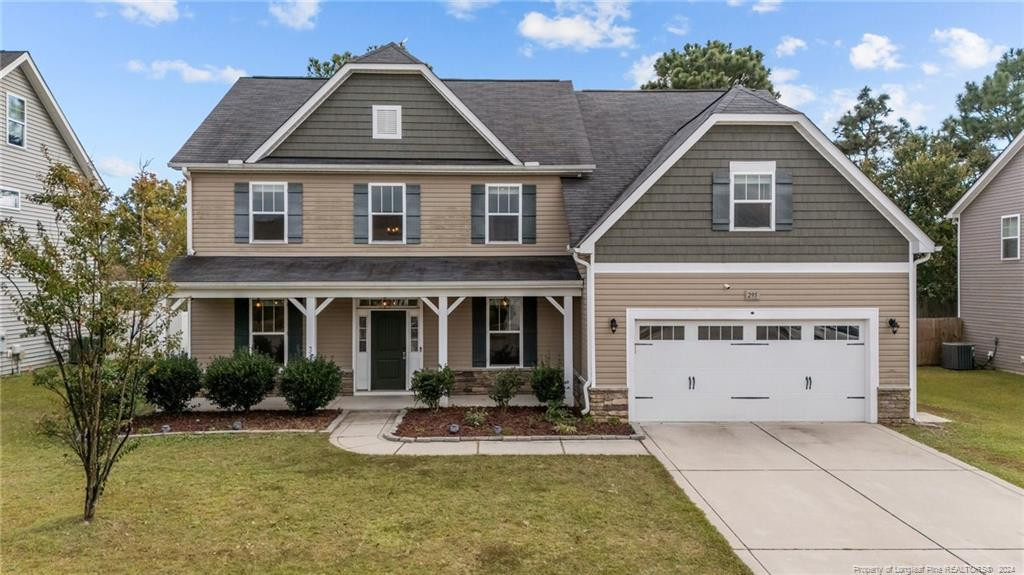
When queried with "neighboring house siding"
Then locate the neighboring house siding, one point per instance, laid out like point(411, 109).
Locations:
point(21, 169)
point(614, 293)
point(832, 221)
point(341, 128)
point(992, 290)
point(327, 220)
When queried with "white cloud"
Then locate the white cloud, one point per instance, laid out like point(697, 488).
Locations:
point(466, 9)
point(189, 74)
point(678, 25)
point(929, 69)
point(789, 45)
point(765, 6)
point(875, 51)
point(784, 75)
point(580, 25)
point(792, 94)
point(149, 12)
point(642, 71)
point(116, 167)
point(903, 106)
point(526, 50)
point(297, 14)
point(840, 102)
point(966, 49)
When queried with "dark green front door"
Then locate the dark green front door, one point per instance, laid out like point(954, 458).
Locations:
point(387, 350)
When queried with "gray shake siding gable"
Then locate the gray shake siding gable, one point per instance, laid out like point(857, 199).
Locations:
point(431, 128)
point(832, 221)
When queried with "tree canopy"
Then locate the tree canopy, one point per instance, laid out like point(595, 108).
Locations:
point(326, 68)
point(715, 65)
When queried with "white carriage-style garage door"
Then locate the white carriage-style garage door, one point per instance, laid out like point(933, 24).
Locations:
point(774, 368)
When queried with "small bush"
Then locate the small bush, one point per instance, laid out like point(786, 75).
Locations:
point(172, 382)
point(475, 417)
point(565, 429)
point(557, 413)
point(505, 385)
point(548, 383)
point(430, 385)
point(310, 384)
point(241, 381)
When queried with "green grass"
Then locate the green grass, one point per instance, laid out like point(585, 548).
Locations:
point(287, 503)
point(987, 409)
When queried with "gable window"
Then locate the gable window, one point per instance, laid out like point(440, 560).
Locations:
point(1010, 237)
point(387, 122)
point(387, 213)
point(504, 331)
point(10, 199)
point(16, 120)
point(268, 333)
point(752, 196)
point(269, 221)
point(504, 213)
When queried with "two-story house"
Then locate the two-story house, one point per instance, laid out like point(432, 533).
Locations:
point(36, 132)
point(689, 255)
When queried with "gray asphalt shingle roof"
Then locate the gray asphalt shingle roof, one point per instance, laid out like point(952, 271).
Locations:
point(390, 53)
point(8, 56)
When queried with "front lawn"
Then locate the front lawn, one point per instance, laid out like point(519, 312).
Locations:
point(288, 503)
point(987, 409)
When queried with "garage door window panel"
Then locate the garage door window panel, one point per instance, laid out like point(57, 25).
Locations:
point(836, 333)
point(779, 332)
point(720, 332)
point(662, 333)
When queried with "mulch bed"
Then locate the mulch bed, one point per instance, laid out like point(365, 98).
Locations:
point(513, 421)
point(222, 421)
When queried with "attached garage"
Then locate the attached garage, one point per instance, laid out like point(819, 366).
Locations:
point(752, 365)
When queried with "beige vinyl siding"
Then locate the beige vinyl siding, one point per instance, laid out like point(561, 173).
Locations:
point(616, 292)
point(460, 335)
point(334, 332)
point(992, 289)
point(327, 216)
point(213, 329)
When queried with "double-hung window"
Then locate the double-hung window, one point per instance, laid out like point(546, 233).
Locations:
point(269, 211)
point(504, 213)
point(10, 199)
point(16, 120)
point(504, 331)
point(387, 213)
point(752, 196)
point(1010, 237)
point(269, 335)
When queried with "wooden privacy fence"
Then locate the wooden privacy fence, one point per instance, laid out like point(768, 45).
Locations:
point(931, 332)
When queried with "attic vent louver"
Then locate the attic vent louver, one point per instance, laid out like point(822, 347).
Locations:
point(387, 122)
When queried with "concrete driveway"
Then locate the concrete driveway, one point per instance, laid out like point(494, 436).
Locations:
point(845, 498)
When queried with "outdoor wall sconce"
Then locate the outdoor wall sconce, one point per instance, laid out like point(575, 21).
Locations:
point(613, 324)
point(894, 325)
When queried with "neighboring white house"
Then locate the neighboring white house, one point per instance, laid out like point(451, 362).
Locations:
point(33, 127)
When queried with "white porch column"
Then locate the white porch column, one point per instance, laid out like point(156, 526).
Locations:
point(567, 366)
point(442, 331)
point(310, 314)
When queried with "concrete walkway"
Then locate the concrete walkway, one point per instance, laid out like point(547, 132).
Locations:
point(362, 432)
point(831, 498)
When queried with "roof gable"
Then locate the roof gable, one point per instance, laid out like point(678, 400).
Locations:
point(986, 178)
point(390, 53)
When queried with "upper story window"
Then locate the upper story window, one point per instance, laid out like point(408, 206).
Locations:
point(16, 120)
point(387, 122)
point(1010, 236)
point(752, 197)
point(504, 331)
point(504, 213)
point(268, 320)
point(387, 213)
point(10, 200)
point(269, 211)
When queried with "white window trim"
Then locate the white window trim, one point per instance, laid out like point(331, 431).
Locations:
point(283, 334)
point(750, 169)
point(7, 118)
point(489, 332)
point(17, 194)
point(398, 122)
point(369, 212)
point(253, 212)
point(1003, 238)
point(487, 214)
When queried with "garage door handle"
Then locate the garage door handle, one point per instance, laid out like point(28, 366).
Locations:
point(808, 383)
point(692, 382)
point(643, 397)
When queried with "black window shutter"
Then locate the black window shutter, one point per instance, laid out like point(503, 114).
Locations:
point(242, 213)
point(720, 201)
point(529, 214)
point(360, 214)
point(479, 332)
point(783, 200)
point(412, 214)
point(529, 331)
point(294, 213)
point(478, 210)
point(241, 323)
point(295, 332)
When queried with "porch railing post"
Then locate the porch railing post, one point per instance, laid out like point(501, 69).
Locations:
point(567, 347)
point(442, 331)
point(311, 327)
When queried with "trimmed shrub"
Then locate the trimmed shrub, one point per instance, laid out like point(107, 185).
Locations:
point(430, 385)
point(241, 381)
point(505, 385)
point(548, 383)
point(310, 384)
point(172, 382)
point(475, 417)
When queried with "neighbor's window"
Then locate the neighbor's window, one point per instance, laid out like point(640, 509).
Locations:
point(753, 195)
point(504, 331)
point(387, 213)
point(10, 199)
point(387, 122)
point(662, 332)
point(269, 335)
point(720, 332)
point(503, 212)
point(268, 211)
point(16, 120)
point(779, 332)
point(836, 333)
point(1010, 237)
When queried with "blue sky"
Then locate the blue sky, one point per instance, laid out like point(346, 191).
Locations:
point(135, 77)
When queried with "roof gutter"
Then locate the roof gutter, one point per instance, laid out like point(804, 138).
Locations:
point(561, 169)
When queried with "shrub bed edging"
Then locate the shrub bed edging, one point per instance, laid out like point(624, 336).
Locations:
point(390, 436)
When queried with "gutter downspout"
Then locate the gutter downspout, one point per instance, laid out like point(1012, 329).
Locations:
point(188, 212)
point(587, 383)
point(913, 329)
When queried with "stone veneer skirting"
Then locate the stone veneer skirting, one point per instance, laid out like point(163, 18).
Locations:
point(606, 403)
point(893, 404)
